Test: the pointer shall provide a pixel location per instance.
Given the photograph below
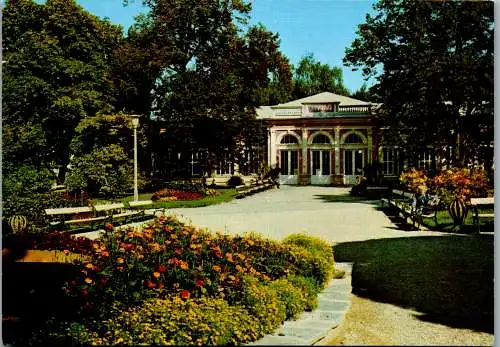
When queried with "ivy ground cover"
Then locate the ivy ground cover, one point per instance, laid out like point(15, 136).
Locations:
point(171, 283)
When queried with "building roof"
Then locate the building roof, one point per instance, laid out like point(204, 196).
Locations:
point(325, 97)
point(321, 98)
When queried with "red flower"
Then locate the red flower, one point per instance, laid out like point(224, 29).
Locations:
point(185, 294)
point(87, 306)
point(103, 280)
point(199, 283)
point(178, 251)
point(108, 226)
point(150, 284)
point(162, 268)
point(84, 292)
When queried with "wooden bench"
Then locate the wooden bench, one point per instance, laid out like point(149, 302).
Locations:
point(401, 201)
point(428, 210)
point(78, 215)
point(255, 187)
point(144, 204)
point(475, 203)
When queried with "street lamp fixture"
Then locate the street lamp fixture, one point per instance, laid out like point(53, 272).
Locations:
point(135, 124)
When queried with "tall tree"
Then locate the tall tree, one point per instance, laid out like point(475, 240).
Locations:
point(364, 93)
point(56, 73)
point(433, 61)
point(312, 77)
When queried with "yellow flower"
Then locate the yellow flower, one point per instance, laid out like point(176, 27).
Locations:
point(184, 265)
point(89, 266)
point(216, 268)
point(120, 260)
point(156, 274)
point(88, 280)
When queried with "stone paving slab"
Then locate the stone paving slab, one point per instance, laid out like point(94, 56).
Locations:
point(311, 327)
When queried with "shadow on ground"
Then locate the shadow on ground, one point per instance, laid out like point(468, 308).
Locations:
point(449, 279)
point(344, 198)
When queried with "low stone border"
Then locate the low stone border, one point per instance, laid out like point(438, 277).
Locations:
point(311, 328)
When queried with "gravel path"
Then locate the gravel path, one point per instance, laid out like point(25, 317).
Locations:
point(374, 323)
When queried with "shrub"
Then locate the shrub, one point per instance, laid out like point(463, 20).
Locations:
point(263, 302)
point(293, 297)
point(460, 183)
point(186, 186)
point(173, 321)
point(168, 259)
point(413, 178)
point(235, 181)
point(168, 193)
point(310, 290)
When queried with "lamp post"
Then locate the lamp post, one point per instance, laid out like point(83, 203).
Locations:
point(135, 123)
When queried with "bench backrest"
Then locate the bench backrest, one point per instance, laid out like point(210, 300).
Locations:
point(401, 193)
point(67, 210)
point(482, 201)
point(108, 207)
point(140, 203)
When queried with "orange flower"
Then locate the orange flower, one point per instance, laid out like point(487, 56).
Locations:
point(231, 277)
point(216, 268)
point(108, 226)
point(66, 252)
point(95, 245)
point(150, 284)
point(239, 268)
point(140, 256)
point(229, 257)
point(184, 265)
point(88, 280)
point(105, 253)
point(173, 236)
point(89, 266)
point(120, 260)
point(156, 274)
point(162, 268)
point(185, 294)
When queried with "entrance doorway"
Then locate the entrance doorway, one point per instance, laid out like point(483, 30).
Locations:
point(320, 167)
point(289, 166)
point(354, 160)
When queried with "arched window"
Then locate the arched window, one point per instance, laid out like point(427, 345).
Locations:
point(321, 139)
point(289, 139)
point(353, 138)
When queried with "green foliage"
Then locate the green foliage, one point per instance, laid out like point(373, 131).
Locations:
point(263, 302)
point(25, 180)
point(291, 296)
point(106, 171)
point(311, 77)
point(235, 181)
point(310, 290)
point(56, 73)
point(172, 321)
point(433, 63)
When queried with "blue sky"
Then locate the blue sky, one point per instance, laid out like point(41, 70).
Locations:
point(322, 27)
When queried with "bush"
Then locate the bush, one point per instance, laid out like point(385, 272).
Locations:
point(460, 183)
point(186, 186)
point(263, 302)
point(315, 257)
point(168, 193)
point(173, 321)
point(414, 179)
point(235, 181)
point(290, 295)
point(168, 259)
point(310, 290)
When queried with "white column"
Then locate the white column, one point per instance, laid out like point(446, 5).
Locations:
point(272, 162)
point(269, 147)
point(370, 146)
point(337, 150)
point(305, 135)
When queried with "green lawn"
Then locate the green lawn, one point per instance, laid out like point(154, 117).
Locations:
point(447, 278)
point(445, 222)
point(226, 195)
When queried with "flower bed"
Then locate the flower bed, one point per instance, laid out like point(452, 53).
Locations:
point(169, 194)
point(175, 284)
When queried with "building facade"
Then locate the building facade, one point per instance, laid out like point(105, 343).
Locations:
point(323, 139)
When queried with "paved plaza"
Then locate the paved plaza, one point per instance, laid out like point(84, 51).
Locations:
point(327, 212)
